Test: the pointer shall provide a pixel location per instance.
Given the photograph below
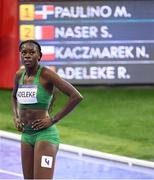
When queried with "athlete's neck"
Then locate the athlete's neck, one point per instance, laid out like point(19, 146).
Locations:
point(32, 71)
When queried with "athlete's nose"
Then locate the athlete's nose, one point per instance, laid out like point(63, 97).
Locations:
point(27, 56)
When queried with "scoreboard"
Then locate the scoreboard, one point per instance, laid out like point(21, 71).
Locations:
point(93, 42)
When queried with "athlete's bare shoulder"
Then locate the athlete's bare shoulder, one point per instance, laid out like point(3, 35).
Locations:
point(48, 73)
point(19, 73)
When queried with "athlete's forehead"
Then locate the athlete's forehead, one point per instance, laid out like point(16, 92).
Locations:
point(29, 46)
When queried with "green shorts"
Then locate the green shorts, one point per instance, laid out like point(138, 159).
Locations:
point(49, 134)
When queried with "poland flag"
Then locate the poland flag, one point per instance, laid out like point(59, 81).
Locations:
point(48, 53)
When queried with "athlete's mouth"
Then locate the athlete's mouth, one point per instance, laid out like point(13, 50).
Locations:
point(27, 62)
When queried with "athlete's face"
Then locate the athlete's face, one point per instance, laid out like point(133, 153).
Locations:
point(30, 54)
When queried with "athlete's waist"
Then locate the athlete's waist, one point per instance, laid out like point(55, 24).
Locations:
point(29, 130)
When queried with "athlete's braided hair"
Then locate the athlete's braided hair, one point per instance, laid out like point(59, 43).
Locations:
point(33, 42)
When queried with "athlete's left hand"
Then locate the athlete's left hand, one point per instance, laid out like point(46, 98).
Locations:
point(41, 123)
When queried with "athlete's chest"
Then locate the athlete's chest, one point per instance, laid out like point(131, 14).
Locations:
point(28, 80)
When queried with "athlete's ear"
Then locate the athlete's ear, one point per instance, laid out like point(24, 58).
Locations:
point(40, 56)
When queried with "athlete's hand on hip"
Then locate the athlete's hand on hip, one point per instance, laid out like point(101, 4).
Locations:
point(41, 123)
point(19, 125)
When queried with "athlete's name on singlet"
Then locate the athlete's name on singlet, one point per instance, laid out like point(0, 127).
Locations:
point(27, 94)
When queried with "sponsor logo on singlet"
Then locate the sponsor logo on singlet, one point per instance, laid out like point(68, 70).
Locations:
point(26, 94)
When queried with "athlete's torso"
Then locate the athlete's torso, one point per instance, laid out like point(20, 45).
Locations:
point(34, 100)
point(34, 95)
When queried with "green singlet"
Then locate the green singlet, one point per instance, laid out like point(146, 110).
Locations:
point(43, 97)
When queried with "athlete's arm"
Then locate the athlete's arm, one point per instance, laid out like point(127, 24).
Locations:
point(16, 119)
point(74, 96)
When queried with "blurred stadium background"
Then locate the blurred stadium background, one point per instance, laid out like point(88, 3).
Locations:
point(105, 48)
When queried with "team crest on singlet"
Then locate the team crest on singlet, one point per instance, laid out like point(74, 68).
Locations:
point(26, 94)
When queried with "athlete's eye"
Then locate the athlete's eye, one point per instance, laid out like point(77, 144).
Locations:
point(23, 53)
point(32, 52)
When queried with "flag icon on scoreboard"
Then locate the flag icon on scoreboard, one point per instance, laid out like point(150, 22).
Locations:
point(44, 32)
point(44, 12)
point(48, 53)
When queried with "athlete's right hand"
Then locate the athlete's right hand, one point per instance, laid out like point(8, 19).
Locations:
point(19, 125)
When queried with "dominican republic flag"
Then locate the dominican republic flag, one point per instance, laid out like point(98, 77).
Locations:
point(48, 53)
point(44, 32)
point(44, 12)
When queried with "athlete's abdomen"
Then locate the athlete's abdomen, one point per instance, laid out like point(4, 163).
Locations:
point(27, 116)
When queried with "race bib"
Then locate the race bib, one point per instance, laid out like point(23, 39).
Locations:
point(26, 94)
